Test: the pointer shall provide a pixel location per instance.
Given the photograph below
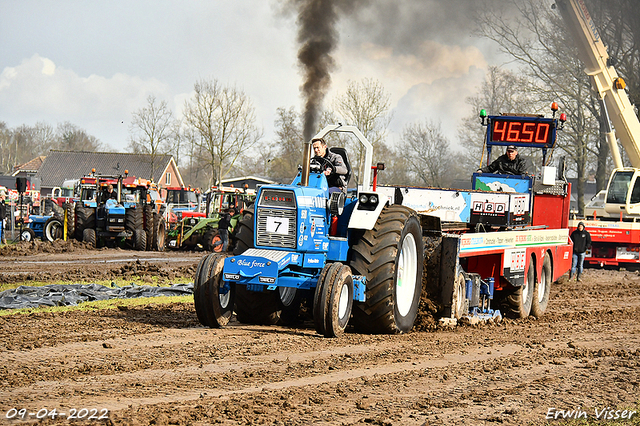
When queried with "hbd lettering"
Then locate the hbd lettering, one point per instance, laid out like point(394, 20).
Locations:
point(604, 414)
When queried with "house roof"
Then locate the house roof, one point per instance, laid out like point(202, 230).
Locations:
point(30, 166)
point(62, 165)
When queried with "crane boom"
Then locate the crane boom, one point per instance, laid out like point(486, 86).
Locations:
point(604, 78)
point(623, 190)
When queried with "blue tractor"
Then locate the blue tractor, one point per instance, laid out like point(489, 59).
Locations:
point(99, 219)
point(354, 257)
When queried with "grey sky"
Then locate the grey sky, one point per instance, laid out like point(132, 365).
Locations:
point(93, 63)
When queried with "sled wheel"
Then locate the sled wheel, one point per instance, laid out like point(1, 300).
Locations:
point(323, 289)
point(460, 304)
point(27, 234)
point(542, 288)
point(52, 230)
point(519, 301)
point(140, 239)
point(339, 303)
point(391, 257)
point(89, 237)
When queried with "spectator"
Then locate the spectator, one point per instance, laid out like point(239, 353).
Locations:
point(3, 214)
point(581, 242)
point(224, 225)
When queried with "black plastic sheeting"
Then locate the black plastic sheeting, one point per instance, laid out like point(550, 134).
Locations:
point(72, 294)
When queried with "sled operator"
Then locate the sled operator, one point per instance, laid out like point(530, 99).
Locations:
point(509, 163)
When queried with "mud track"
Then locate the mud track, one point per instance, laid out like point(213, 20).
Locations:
point(155, 364)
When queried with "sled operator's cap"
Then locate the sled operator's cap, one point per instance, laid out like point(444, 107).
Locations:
point(512, 148)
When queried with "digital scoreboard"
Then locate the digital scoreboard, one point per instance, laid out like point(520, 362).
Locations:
point(527, 131)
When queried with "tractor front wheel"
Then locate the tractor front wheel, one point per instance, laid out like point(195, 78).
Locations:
point(213, 298)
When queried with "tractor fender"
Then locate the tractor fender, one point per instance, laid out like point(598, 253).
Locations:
point(366, 219)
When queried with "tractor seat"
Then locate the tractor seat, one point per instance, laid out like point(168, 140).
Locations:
point(343, 153)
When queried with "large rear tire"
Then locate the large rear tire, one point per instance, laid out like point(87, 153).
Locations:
point(140, 239)
point(391, 257)
point(519, 300)
point(244, 234)
point(71, 220)
point(542, 288)
point(89, 237)
point(52, 230)
point(85, 218)
point(159, 233)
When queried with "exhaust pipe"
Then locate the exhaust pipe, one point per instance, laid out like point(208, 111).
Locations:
point(306, 159)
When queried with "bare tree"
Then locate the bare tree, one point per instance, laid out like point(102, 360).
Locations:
point(152, 131)
point(225, 121)
point(283, 165)
point(366, 105)
point(427, 153)
point(70, 137)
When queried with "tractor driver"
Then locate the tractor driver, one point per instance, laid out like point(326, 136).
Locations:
point(109, 193)
point(509, 163)
point(332, 165)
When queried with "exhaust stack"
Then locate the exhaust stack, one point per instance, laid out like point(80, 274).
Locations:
point(306, 159)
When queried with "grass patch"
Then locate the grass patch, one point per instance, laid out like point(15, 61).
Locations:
point(102, 304)
point(135, 280)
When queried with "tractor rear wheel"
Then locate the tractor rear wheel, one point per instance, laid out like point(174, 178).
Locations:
point(71, 220)
point(542, 288)
point(85, 218)
point(52, 230)
point(133, 219)
point(520, 299)
point(148, 224)
point(89, 237)
point(213, 299)
point(257, 307)
point(140, 239)
point(244, 234)
point(391, 257)
point(159, 233)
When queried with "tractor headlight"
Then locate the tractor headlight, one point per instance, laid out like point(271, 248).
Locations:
point(373, 199)
point(192, 222)
point(363, 199)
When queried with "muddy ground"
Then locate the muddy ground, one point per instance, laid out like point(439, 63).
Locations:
point(155, 364)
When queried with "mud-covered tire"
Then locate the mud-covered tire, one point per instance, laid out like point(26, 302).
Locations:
point(339, 303)
point(542, 288)
point(52, 230)
point(213, 306)
point(85, 218)
point(459, 304)
point(159, 233)
point(519, 300)
point(147, 211)
point(134, 219)
point(244, 233)
point(89, 237)
point(391, 257)
point(208, 239)
point(321, 295)
point(261, 308)
point(140, 239)
point(71, 220)
point(27, 234)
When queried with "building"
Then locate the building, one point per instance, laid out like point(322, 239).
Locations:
point(250, 181)
point(59, 166)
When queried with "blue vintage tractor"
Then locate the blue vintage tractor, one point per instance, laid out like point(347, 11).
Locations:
point(353, 256)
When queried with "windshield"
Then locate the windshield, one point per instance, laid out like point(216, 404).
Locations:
point(181, 196)
point(130, 195)
point(66, 192)
point(618, 187)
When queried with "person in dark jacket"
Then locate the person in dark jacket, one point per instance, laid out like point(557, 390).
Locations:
point(332, 164)
point(581, 242)
point(223, 229)
point(3, 214)
point(509, 163)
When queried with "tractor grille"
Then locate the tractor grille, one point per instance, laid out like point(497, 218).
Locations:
point(276, 228)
